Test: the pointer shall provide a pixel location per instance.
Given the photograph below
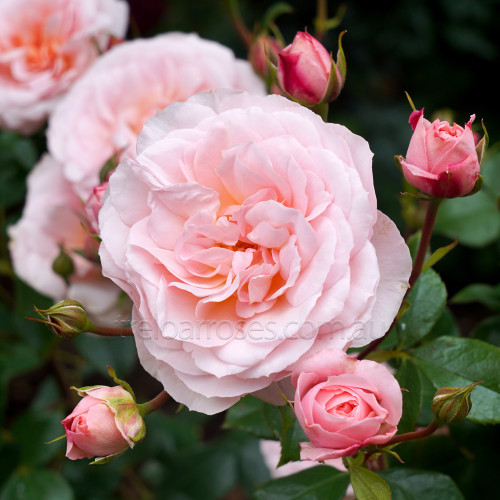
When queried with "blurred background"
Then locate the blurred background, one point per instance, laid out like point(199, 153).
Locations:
point(443, 53)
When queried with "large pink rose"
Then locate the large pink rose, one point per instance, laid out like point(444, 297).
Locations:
point(247, 235)
point(441, 158)
point(106, 109)
point(45, 45)
point(52, 217)
point(344, 404)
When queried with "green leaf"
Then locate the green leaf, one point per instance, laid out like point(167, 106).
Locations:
point(457, 362)
point(427, 300)
point(317, 483)
point(487, 295)
point(368, 485)
point(36, 485)
point(246, 415)
point(473, 220)
point(410, 484)
point(408, 377)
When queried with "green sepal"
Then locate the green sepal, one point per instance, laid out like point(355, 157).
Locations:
point(109, 458)
point(109, 166)
point(56, 439)
point(438, 254)
point(482, 145)
point(338, 71)
point(410, 101)
point(477, 186)
point(124, 384)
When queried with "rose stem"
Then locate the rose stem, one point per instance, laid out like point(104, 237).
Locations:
point(154, 404)
point(241, 29)
point(105, 331)
point(425, 239)
point(421, 433)
point(320, 20)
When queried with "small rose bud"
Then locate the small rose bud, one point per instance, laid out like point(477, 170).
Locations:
point(66, 319)
point(307, 72)
point(262, 49)
point(94, 205)
point(452, 404)
point(441, 160)
point(104, 424)
point(63, 265)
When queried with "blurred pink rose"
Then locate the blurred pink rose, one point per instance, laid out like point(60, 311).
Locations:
point(344, 404)
point(247, 235)
point(45, 45)
point(105, 422)
point(52, 217)
point(304, 69)
point(264, 47)
point(441, 159)
point(105, 110)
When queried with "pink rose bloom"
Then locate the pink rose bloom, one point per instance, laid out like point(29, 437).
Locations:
point(441, 159)
point(53, 216)
point(105, 110)
point(344, 404)
point(105, 422)
point(45, 45)
point(247, 235)
point(94, 205)
point(304, 69)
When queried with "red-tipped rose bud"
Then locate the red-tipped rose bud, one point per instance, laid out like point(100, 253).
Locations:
point(94, 205)
point(104, 424)
point(307, 72)
point(262, 49)
point(66, 319)
point(452, 404)
point(441, 160)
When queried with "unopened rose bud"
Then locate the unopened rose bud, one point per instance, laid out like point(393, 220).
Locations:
point(63, 265)
point(441, 160)
point(452, 404)
point(104, 424)
point(66, 319)
point(307, 72)
point(263, 49)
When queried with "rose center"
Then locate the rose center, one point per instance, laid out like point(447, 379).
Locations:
point(346, 408)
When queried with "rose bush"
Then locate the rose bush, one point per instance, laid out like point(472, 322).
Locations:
point(105, 111)
point(52, 218)
point(45, 45)
point(105, 422)
point(246, 233)
point(344, 404)
point(441, 158)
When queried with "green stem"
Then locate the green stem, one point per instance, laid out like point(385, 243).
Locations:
point(409, 436)
point(425, 239)
point(106, 331)
point(320, 21)
point(154, 404)
point(243, 32)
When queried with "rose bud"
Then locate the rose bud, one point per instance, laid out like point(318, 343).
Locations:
point(307, 72)
point(63, 265)
point(452, 404)
point(105, 423)
point(441, 160)
point(344, 404)
point(262, 49)
point(93, 205)
point(66, 319)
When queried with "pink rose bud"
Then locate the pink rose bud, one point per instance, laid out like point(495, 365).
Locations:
point(66, 318)
point(441, 160)
point(307, 72)
point(344, 404)
point(94, 205)
point(105, 423)
point(262, 49)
